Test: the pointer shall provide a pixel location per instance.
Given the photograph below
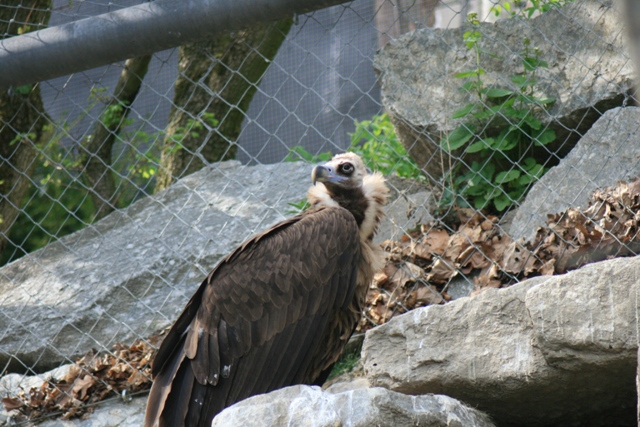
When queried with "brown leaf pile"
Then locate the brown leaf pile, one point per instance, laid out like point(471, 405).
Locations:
point(608, 228)
point(91, 379)
point(420, 266)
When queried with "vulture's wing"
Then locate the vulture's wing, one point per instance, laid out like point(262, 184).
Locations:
point(259, 319)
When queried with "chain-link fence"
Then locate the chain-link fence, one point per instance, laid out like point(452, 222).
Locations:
point(115, 205)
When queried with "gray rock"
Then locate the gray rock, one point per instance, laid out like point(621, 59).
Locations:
point(558, 350)
point(112, 413)
point(305, 406)
point(589, 72)
point(460, 286)
point(404, 213)
point(12, 384)
point(409, 205)
point(130, 274)
point(607, 153)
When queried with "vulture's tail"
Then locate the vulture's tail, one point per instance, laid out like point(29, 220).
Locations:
point(176, 398)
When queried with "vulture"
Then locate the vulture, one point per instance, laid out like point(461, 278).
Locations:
point(280, 308)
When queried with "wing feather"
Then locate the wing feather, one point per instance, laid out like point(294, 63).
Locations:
point(264, 311)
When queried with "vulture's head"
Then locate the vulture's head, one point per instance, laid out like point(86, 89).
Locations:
point(344, 171)
point(344, 181)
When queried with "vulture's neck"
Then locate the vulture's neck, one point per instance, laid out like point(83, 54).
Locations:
point(365, 203)
point(367, 207)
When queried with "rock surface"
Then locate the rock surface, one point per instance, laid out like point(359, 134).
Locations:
point(130, 274)
point(558, 350)
point(607, 153)
point(113, 413)
point(307, 406)
point(589, 72)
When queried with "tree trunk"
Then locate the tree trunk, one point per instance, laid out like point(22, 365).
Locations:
point(21, 117)
point(217, 80)
point(96, 151)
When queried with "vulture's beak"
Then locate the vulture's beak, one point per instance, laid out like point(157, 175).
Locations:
point(324, 173)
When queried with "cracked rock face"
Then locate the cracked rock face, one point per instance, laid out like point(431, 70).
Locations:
point(558, 350)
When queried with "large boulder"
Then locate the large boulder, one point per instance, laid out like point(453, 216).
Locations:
point(607, 153)
point(558, 350)
point(130, 275)
point(589, 72)
point(362, 407)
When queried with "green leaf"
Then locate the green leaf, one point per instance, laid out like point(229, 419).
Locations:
point(544, 100)
point(547, 136)
point(457, 138)
point(507, 176)
point(528, 163)
point(470, 86)
point(466, 74)
point(537, 171)
point(532, 122)
point(479, 203)
point(523, 80)
point(484, 113)
point(487, 171)
point(532, 174)
point(477, 146)
point(498, 93)
point(23, 90)
point(463, 111)
point(475, 190)
point(530, 64)
point(508, 142)
point(501, 202)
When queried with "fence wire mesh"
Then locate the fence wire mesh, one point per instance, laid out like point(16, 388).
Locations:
point(115, 206)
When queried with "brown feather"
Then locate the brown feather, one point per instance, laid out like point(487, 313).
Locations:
point(276, 311)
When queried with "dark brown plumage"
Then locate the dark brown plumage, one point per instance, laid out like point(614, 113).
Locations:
point(279, 309)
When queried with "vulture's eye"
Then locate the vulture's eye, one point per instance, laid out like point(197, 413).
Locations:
point(345, 168)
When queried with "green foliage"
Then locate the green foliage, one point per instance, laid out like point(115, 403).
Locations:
point(194, 128)
point(528, 8)
point(500, 127)
point(345, 364)
point(298, 207)
point(376, 142)
point(59, 203)
point(112, 115)
point(23, 90)
point(298, 153)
